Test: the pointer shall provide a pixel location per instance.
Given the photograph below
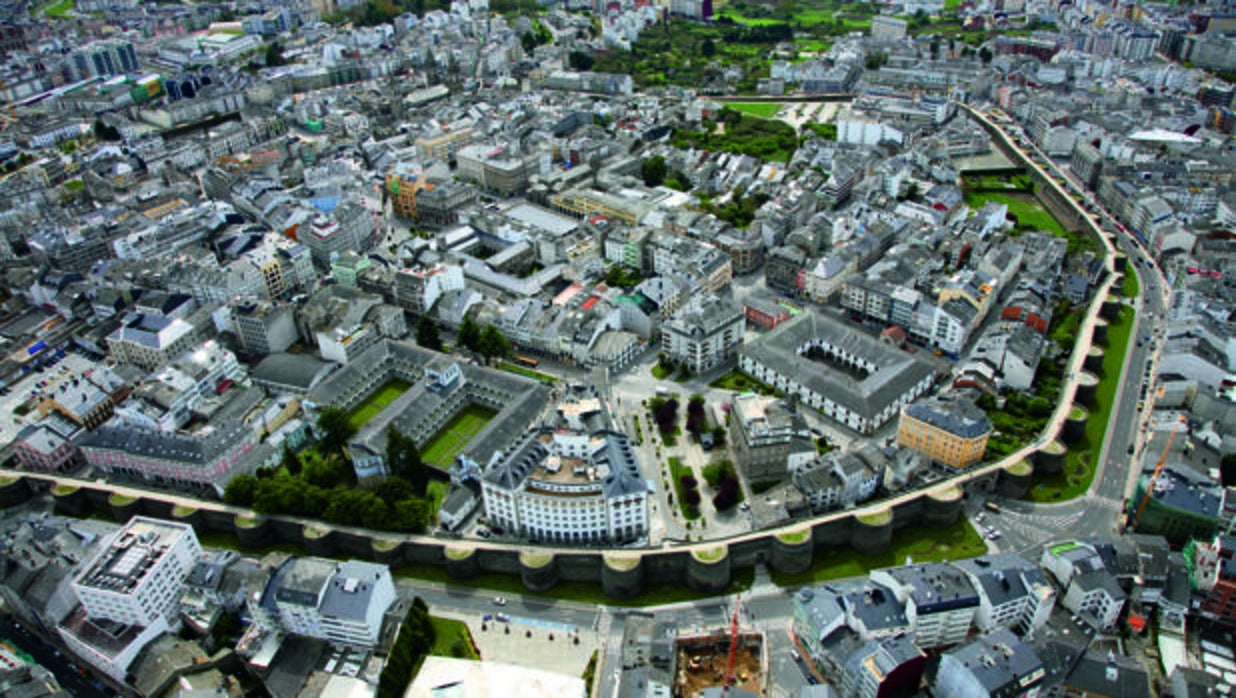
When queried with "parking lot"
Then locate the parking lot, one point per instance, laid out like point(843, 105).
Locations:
point(19, 392)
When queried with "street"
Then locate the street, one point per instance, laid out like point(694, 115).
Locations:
point(76, 681)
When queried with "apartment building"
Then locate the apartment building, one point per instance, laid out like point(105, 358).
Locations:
point(951, 431)
point(340, 602)
point(703, 333)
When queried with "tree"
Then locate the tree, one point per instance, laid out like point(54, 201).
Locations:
point(985, 54)
point(653, 171)
point(274, 54)
point(290, 461)
point(1227, 470)
point(241, 490)
point(104, 132)
point(469, 334)
point(493, 344)
point(528, 40)
point(334, 429)
point(707, 48)
point(404, 460)
point(427, 334)
point(727, 496)
point(580, 60)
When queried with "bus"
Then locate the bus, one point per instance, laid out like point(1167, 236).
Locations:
point(526, 361)
point(992, 507)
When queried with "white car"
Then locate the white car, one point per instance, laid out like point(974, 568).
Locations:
point(499, 601)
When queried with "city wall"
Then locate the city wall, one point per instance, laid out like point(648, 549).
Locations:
point(707, 567)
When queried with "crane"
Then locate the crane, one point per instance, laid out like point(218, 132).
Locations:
point(733, 656)
point(1158, 468)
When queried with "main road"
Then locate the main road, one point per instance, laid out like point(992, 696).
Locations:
point(1028, 526)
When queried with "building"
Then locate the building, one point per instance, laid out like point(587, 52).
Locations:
point(340, 602)
point(129, 593)
point(1215, 571)
point(763, 429)
point(566, 487)
point(1097, 595)
point(1013, 592)
point(150, 341)
point(465, 678)
point(47, 446)
point(882, 668)
point(263, 327)
point(202, 460)
point(951, 431)
point(139, 574)
point(886, 29)
point(105, 59)
point(939, 599)
point(999, 664)
point(856, 380)
point(702, 334)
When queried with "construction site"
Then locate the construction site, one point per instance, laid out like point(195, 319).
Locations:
point(702, 662)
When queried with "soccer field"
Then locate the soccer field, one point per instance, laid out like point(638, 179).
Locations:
point(376, 402)
point(454, 437)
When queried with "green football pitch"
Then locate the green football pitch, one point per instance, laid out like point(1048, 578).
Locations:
point(454, 437)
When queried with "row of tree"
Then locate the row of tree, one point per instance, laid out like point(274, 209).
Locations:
point(488, 341)
point(415, 639)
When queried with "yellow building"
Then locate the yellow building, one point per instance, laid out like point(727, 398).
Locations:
point(402, 185)
point(444, 145)
point(953, 432)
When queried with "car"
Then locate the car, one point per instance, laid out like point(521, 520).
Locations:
point(483, 532)
point(499, 601)
point(994, 535)
point(794, 654)
point(979, 517)
point(502, 618)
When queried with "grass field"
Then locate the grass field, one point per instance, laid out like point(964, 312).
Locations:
point(376, 402)
point(1029, 212)
point(741, 384)
point(526, 372)
point(1079, 464)
point(452, 438)
point(1129, 286)
point(451, 639)
point(765, 110)
point(918, 543)
point(59, 10)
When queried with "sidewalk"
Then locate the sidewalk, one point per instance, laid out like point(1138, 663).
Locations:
point(509, 643)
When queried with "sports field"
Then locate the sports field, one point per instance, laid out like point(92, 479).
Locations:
point(452, 438)
point(376, 402)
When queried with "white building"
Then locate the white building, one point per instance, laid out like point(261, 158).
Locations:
point(138, 577)
point(703, 333)
point(1013, 593)
point(129, 593)
point(568, 487)
point(340, 602)
point(940, 601)
point(1098, 594)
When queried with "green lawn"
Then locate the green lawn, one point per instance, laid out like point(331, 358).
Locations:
point(951, 5)
point(1074, 480)
point(454, 437)
point(526, 372)
point(451, 639)
point(918, 543)
point(59, 10)
point(677, 470)
point(766, 110)
point(739, 383)
point(1029, 212)
point(376, 402)
point(1129, 287)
